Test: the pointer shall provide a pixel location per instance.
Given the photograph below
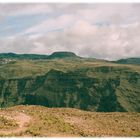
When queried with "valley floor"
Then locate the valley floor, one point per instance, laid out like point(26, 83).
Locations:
point(31, 121)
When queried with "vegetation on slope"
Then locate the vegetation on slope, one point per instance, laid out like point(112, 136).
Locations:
point(78, 83)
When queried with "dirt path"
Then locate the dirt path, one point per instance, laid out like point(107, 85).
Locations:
point(22, 119)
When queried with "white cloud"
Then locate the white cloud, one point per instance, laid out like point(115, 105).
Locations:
point(109, 42)
point(51, 24)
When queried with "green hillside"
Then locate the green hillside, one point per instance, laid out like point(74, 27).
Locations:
point(87, 84)
point(135, 61)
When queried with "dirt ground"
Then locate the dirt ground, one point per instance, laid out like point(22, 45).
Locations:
point(41, 121)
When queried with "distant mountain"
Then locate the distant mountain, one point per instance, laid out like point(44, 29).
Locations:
point(62, 55)
point(129, 61)
point(57, 55)
point(22, 56)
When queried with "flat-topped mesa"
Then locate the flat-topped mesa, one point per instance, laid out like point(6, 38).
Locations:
point(62, 55)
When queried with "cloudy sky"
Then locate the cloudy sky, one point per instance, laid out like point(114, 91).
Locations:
point(106, 31)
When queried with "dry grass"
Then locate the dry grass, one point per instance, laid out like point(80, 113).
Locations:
point(60, 122)
point(7, 123)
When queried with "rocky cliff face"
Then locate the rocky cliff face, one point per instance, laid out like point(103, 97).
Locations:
point(75, 89)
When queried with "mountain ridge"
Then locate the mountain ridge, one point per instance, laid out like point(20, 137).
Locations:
point(55, 55)
point(64, 55)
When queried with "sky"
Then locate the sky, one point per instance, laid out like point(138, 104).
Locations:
point(104, 31)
